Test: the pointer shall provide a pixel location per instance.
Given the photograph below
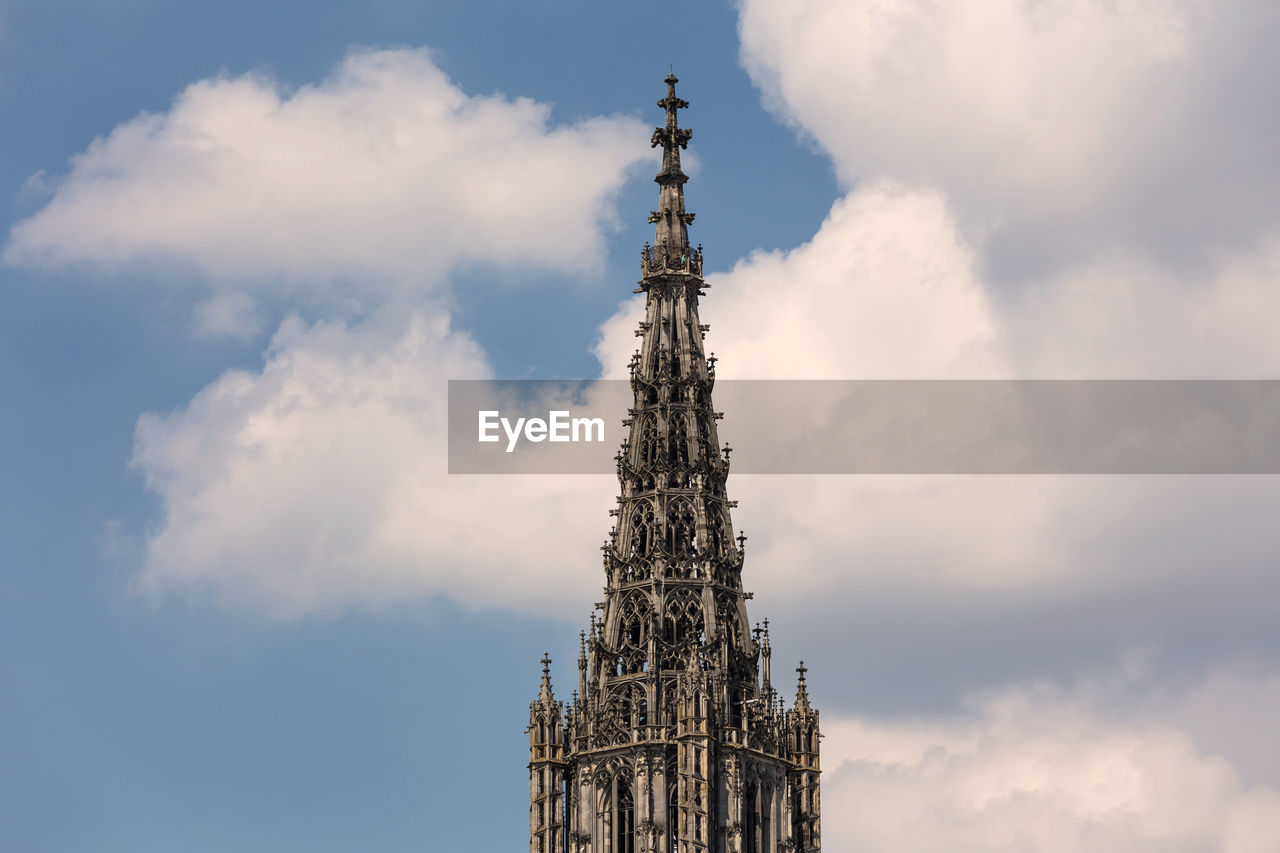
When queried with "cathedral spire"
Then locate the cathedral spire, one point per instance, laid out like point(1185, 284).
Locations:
point(673, 741)
point(672, 232)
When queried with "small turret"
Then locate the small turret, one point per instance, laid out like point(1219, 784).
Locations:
point(582, 665)
point(546, 767)
point(766, 654)
point(803, 737)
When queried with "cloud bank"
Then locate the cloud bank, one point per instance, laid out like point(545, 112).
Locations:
point(383, 176)
point(1059, 189)
point(319, 483)
point(1036, 770)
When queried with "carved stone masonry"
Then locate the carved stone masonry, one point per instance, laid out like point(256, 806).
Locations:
point(676, 740)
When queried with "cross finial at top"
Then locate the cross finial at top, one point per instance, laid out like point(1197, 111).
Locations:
point(546, 663)
point(802, 669)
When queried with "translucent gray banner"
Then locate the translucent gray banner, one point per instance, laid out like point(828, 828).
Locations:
point(890, 427)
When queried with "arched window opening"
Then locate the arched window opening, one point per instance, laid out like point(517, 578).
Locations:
point(649, 441)
point(683, 621)
point(643, 530)
point(682, 529)
point(727, 618)
point(633, 632)
point(635, 705)
point(624, 824)
point(673, 813)
point(678, 447)
point(766, 819)
point(751, 822)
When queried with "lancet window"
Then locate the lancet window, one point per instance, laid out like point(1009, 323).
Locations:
point(624, 821)
point(633, 633)
point(683, 621)
point(643, 530)
point(682, 528)
point(649, 441)
point(678, 446)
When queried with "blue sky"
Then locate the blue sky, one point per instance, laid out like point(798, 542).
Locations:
point(242, 607)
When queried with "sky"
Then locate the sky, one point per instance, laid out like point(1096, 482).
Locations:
point(243, 605)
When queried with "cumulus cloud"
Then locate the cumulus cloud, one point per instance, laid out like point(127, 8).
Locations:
point(317, 482)
point(952, 568)
point(1060, 126)
point(887, 288)
point(385, 174)
point(228, 313)
point(971, 141)
point(320, 483)
point(1037, 771)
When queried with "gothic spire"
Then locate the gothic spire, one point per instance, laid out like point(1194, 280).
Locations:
point(672, 221)
point(545, 696)
point(802, 691)
point(671, 716)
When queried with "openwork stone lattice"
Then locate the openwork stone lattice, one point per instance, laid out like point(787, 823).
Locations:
point(676, 740)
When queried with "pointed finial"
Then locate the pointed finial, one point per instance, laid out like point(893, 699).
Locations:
point(672, 220)
point(802, 690)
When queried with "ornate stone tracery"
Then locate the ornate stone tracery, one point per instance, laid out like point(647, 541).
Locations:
point(676, 741)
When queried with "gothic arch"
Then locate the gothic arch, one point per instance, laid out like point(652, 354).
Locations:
point(727, 619)
point(615, 803)
point(678, 445)
point(683, 620)
point(634, 617)
point(649, 441)
point(642, 535)
point(681, 540)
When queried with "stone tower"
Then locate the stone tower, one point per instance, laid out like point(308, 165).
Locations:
point(676, 740)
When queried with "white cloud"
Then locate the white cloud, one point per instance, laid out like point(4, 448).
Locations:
point(1134, 317)
point(228, 313)
point(1063, 125)
point(891, 287)
point(1036, 770)
point(320, 483)
point(886, 289)
point(385, 174)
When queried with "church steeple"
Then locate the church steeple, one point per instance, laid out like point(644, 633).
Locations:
point(674, 743)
